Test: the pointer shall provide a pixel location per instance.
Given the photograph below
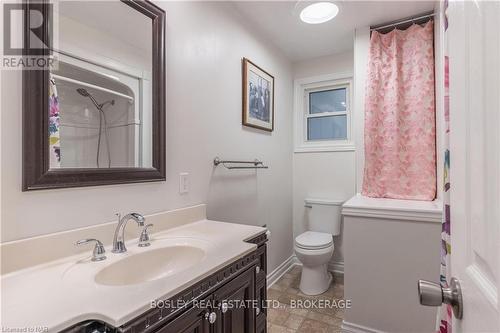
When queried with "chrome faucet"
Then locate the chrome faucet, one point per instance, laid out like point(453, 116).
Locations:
point(119, 238)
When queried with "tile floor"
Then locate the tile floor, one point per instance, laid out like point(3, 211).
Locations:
point(284, 318)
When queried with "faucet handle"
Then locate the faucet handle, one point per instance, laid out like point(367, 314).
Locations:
point(144, 238)
point(99, 250)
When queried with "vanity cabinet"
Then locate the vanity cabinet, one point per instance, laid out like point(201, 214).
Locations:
point(231, 300)
point(231, 312)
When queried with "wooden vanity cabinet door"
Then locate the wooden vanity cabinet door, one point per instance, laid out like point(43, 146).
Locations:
point(236, 293)
point(191, 321)
point(261, 326)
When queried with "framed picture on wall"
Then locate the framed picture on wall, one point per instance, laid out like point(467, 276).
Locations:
point(258, 97)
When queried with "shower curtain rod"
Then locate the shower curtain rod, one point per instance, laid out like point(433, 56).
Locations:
point(89, 85)
point(402, 21)
point(92, 127)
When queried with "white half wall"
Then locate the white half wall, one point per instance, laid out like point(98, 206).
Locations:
point(205, 44)
point(385, 258)
point(331, 174)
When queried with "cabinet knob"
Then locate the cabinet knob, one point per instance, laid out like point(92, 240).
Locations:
point(257, 311)
point(211, 317)
point(257, 269)
point(224, 307)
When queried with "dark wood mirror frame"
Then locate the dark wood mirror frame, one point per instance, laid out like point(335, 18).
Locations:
point(36, 173)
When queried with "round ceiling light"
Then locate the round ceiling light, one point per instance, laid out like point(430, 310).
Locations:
point(319, 12)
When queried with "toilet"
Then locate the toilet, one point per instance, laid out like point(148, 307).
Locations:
point(314, 247)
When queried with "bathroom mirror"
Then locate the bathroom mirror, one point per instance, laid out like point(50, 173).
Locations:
point(96, 116)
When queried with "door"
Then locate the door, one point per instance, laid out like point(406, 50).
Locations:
point(237, 304)
point(474, 55)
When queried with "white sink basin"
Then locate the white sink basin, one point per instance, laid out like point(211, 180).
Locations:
point(151, 265)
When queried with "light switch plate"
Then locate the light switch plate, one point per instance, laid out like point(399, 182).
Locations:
point(183, 182)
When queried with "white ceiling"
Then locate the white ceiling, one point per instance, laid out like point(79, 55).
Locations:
point(279, 21)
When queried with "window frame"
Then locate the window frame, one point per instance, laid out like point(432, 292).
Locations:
point(303, 87)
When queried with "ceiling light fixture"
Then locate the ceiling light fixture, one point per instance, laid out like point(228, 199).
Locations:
point(319, 12)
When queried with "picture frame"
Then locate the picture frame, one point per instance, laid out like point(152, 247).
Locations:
point(258, 97)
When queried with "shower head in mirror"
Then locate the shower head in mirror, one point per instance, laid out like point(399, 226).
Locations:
point(85, 93)
point(102, 119)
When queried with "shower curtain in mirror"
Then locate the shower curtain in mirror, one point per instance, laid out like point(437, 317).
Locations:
point(54, 123)
point(400, 130)
point(444, 314)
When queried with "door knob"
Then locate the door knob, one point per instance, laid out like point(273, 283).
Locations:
point(432, 294)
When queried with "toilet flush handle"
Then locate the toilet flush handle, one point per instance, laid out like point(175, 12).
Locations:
point(308, 206)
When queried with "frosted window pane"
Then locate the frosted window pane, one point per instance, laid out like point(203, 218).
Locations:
point(327, 128)
point(327, 101)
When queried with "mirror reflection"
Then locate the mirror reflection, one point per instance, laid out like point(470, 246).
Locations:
point(100, 89)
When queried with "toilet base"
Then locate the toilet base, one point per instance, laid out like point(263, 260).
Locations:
point(315, 280)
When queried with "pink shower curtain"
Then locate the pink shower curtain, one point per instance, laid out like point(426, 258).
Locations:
point(400, 130)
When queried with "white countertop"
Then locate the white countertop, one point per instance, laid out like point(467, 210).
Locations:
point(61, 293)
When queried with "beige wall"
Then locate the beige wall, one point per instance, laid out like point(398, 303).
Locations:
point(329, 175)
point(337, 63)
point(205, 44)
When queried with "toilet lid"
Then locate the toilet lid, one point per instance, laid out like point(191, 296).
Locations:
point(314, 240)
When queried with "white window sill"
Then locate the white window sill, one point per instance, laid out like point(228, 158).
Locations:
point(324, 148)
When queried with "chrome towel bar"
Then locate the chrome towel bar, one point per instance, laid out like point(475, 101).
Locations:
point(256, 164)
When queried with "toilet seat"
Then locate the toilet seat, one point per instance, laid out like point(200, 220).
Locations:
point(312, 240)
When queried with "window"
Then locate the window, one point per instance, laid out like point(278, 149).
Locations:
point(327, 114)
point(323, 115)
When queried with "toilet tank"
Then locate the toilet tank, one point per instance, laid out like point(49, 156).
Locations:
point(324, 215)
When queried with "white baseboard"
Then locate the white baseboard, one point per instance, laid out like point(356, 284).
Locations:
point(281, 270)
point(335, 267)
point(348, 327)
